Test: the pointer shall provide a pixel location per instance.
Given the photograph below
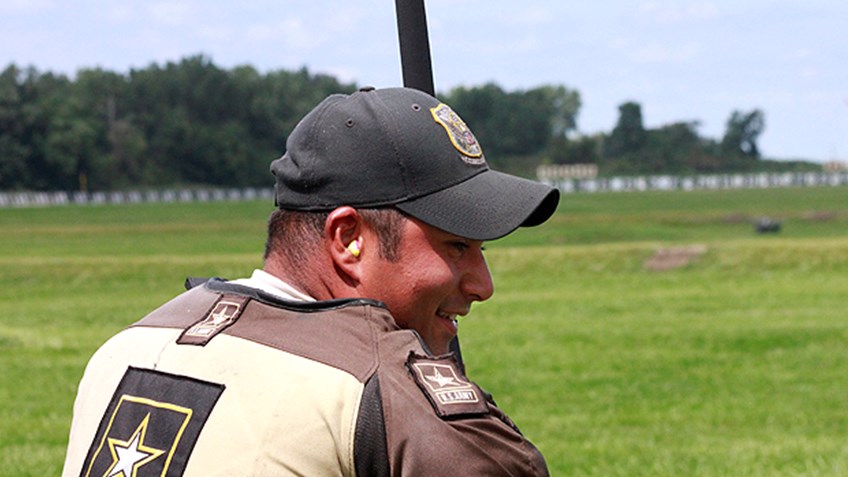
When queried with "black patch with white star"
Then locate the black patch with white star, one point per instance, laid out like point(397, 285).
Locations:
point(151, 425)
point(450, 393)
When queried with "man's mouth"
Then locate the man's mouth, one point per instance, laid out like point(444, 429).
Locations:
point(449, 320)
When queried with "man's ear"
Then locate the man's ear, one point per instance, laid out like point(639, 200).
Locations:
point(343, 232)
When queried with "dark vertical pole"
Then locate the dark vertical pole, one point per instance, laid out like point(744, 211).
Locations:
point(418, 70)
point(414, 45)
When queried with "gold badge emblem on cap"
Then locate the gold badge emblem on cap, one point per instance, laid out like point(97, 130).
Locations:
point(461, 137)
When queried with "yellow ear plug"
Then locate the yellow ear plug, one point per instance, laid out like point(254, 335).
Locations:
point(354, 248)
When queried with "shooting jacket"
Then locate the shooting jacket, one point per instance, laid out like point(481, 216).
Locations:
point(229, 380)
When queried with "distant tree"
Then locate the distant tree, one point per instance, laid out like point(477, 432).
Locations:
point(579, 150)
point(197, 123)
point(99, 106)
point(741, 134)
point(71, 145)
point(629, 135)
point(197, 98)
point(129, 165)
point(564, 106)
point(673, 148)
point(13, 148)
point(45, 114)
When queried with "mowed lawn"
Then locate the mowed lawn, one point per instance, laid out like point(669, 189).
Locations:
point(732, 364)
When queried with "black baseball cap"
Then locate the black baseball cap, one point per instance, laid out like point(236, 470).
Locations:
point(401, 147)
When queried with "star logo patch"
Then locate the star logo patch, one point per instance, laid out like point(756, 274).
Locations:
point(223, 314)
point(447, 389)
point(150, 426)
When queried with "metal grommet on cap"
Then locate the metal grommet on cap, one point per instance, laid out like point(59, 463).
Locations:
point(416, 107)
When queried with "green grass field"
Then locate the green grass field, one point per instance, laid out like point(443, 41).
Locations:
point(731, 365)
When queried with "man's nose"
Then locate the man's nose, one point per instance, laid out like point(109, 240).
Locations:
point(477, 281)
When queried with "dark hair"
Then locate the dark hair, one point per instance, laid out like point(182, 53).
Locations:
point(294, 233)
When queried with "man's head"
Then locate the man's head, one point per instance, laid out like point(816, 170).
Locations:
point(400, 175)
point(425, 276)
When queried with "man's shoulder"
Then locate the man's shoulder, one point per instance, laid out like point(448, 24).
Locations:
point(340, 333)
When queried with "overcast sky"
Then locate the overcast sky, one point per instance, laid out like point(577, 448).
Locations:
point(681, 60)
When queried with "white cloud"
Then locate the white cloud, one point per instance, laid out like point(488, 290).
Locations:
point(261, 33)
point(215, 33)
point(291, 33)
point(809, 72)
point(656, 52)
point(170, 13)
point(669, 12)
point(345, 74)
point(802, 53)
point(118, 12)
point(26, 6)
point(534, 16)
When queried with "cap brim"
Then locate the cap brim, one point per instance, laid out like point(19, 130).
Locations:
point(487, 206)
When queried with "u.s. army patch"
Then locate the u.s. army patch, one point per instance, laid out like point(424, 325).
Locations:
point(224, 313)
point(447, 389)
point(151, 425)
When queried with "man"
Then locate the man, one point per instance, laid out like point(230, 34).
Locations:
point(335, 358)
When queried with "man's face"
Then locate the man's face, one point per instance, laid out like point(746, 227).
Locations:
point(436, 277)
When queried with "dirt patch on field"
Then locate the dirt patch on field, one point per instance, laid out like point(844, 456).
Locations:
point(736, 218)
point(674, 257)
point(821, 216)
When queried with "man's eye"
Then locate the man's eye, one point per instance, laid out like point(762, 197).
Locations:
point(460, 246)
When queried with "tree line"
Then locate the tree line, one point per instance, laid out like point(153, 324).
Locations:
point(188, 122)
point(193, 123)
point(523, 129)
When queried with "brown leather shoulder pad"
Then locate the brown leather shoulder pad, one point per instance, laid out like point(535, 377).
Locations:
point(182, 311)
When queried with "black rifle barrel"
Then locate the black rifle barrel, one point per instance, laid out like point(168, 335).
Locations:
point(414, 45)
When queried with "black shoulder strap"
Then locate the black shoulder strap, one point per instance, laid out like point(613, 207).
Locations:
point(370, 453)
point(191, 282)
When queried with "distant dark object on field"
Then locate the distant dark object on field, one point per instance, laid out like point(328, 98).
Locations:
point(765, 225)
